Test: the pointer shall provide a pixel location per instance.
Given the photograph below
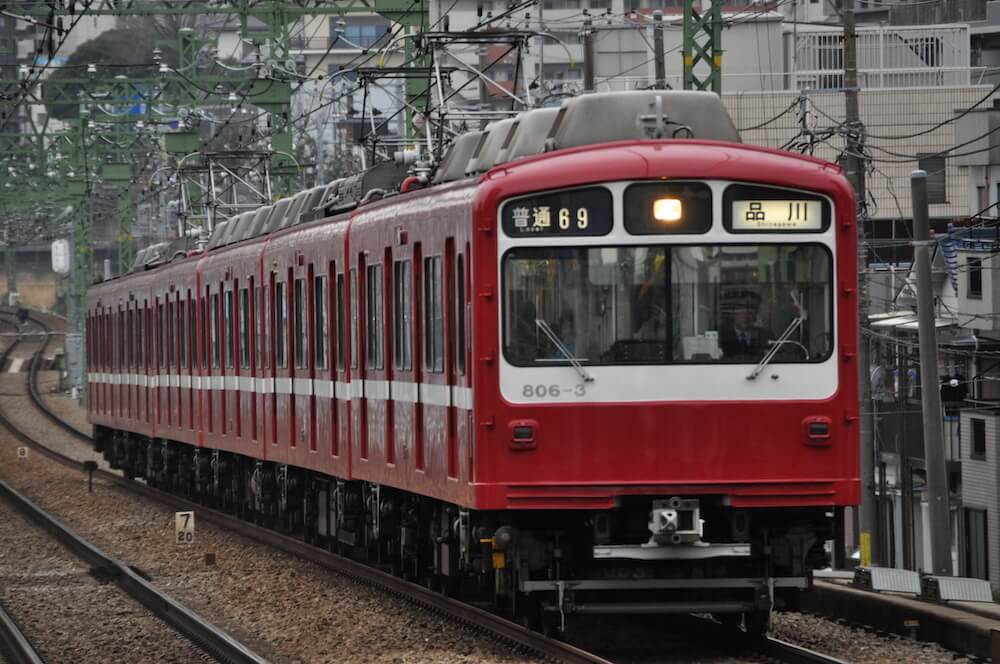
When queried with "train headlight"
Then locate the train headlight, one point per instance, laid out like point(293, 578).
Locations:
point(667, 209)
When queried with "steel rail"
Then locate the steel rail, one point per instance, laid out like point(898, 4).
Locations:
point(793, 654)
point(452, 609)
point(202, 633)
point(14, 645)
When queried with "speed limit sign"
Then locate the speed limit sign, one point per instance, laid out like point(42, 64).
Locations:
point(184, 527)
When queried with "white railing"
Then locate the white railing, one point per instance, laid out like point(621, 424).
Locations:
point(822, 80)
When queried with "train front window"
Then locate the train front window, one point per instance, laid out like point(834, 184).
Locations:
point(667, 304)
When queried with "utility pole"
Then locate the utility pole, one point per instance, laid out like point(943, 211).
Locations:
point(702, 45)
point(588, 52)
point(855, 164)
point(658, 57)
point(930, 391)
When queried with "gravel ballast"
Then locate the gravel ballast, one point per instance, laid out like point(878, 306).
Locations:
point(67, 613)
point(286, 609)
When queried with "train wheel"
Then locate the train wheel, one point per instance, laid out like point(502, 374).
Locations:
point(756, 623)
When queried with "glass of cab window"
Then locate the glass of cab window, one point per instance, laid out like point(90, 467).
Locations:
point(657, 304)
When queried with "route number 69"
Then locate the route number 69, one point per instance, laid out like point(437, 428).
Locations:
point(184, 527)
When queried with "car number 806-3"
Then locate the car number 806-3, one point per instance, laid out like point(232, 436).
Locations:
point(551, 391)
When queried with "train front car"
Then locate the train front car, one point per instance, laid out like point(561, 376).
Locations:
point(669, 419)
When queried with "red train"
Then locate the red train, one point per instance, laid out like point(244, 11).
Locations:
point(578, 367)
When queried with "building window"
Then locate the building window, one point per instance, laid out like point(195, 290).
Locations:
point(934, 166)
point(978, 439)
point(974, 271)
point(359, 32)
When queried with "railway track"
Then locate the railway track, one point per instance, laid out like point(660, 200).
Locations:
point(477, 619)
point(14, 645)
point(199, 631)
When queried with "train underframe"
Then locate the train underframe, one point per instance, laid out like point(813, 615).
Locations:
point(669, 554)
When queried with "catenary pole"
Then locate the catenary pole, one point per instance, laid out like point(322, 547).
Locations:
point(930, 391)
point(855, 163)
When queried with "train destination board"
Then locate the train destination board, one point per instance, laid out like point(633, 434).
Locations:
point(572, 212)
point(762, 215)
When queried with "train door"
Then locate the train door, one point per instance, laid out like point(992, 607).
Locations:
point(323, 414)
point(232, 372)
point(462, 390)
point(341, 442)
point(215, 379)
point(264, 385)
point(244, 332)
point(298, 396)
point(161, 362)
point(434, 388)
point(302, 401)
point(128, 371)
point(403, 385)
point(183, 363)
point(359, 427)
point(147, 361)
point(282, 374)
point(175, 361)
point(376, 388)
point(192, 356)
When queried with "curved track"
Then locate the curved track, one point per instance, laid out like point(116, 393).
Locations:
point(204, 634)
point(497, 626)
point(14, 645)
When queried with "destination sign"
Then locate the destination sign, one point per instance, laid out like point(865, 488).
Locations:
point(566, 213)
point(763, 215)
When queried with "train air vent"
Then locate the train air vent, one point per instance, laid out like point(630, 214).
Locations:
point(457, 157)
point(277, 215)
point(528, 136)
point(639, 115)
point(292, 213)
point(217, 234)
point(308, 209)
point(139, 261)
point(495, 136)
point(259, 220)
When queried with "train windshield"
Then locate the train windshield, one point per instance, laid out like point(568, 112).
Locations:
point(668, 304)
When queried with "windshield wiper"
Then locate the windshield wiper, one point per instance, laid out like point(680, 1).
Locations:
point(561, 347)
point(781, 340)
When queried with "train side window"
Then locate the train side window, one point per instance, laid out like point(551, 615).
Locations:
point(214, 332)
point(245, 328)
point(203, 305)
point(161, 348)
point(171, 322)
point(319, 321)
point(341, 320)
point(130, 336)
point(121, 338)
point(433, 316)
point(192, 331)
point(281, 333)
point(182, 360)
point(402, 318)
point(228, 327)
point(265, 344)
point(301, 325)
point(354, 318)
point(460, 313)
point(258, 325)
point(375, 324)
